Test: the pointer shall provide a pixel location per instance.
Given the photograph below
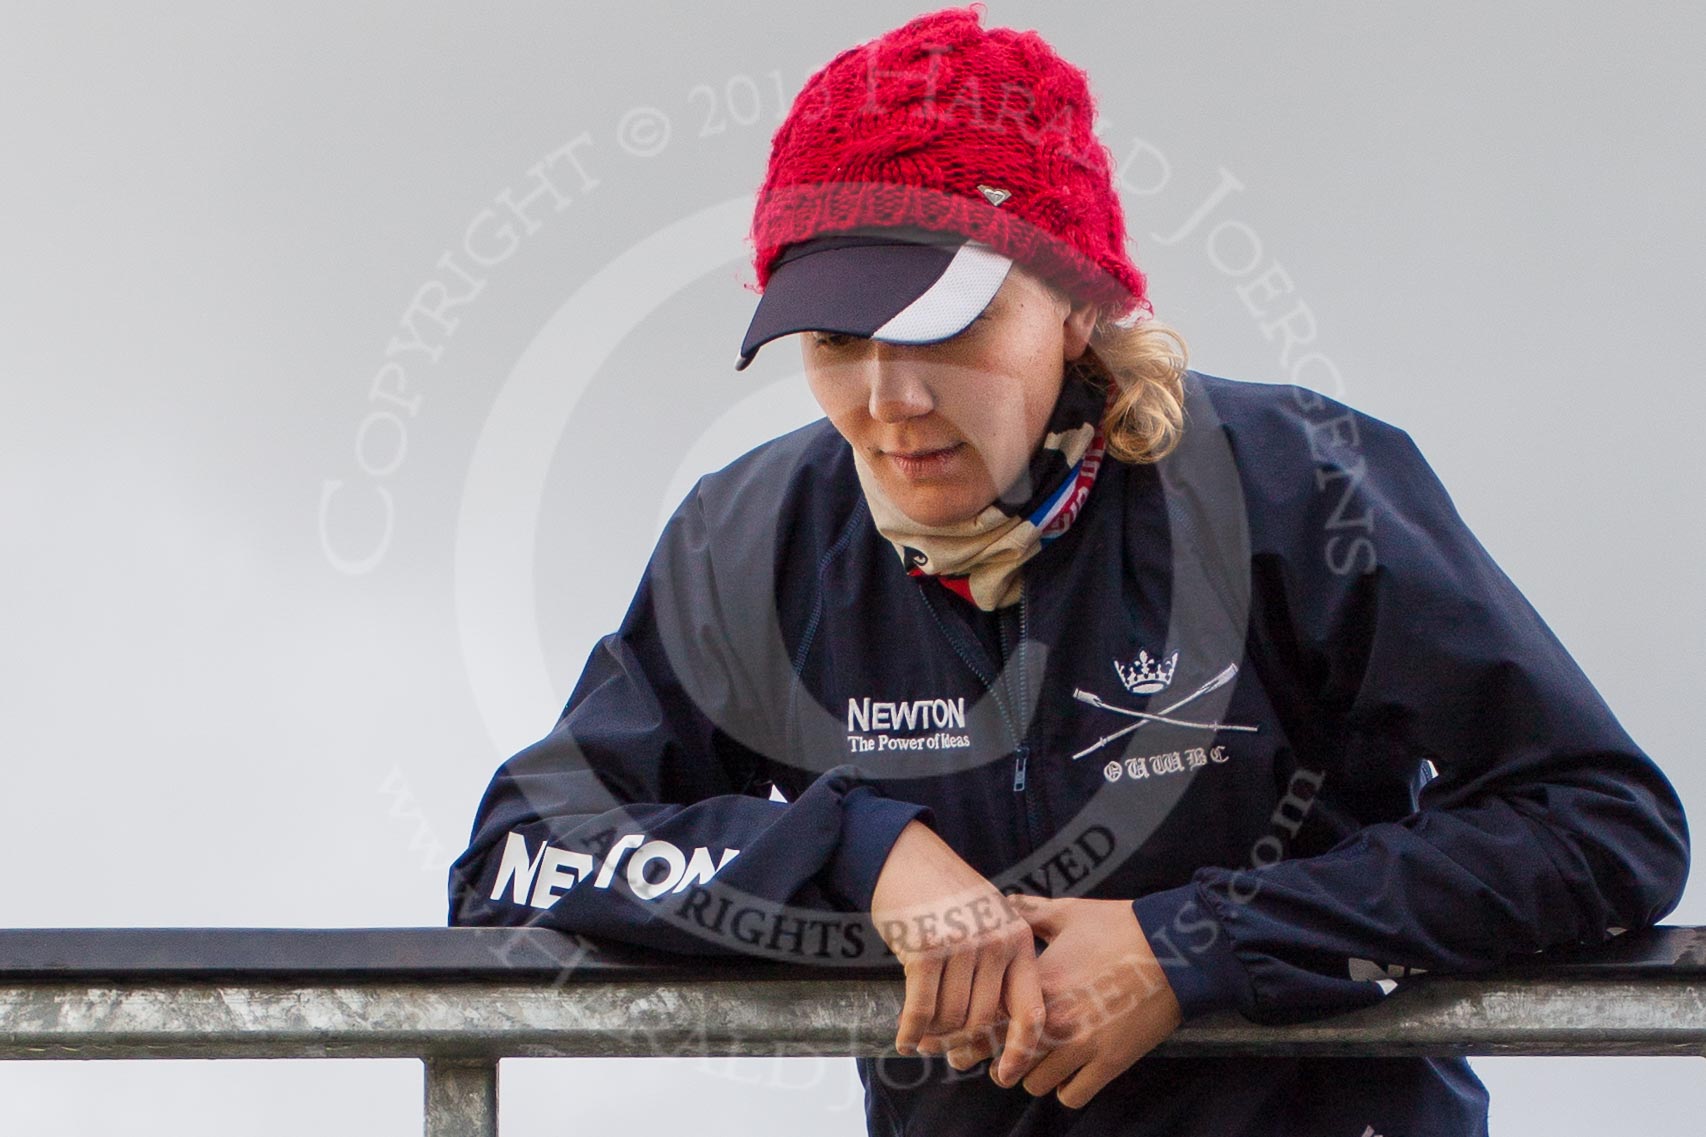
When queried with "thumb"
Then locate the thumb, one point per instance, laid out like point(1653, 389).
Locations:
point(1040, 912)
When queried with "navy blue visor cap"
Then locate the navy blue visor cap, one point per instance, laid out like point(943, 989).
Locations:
point(898, 285)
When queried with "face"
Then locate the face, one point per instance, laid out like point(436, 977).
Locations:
point(947, 428)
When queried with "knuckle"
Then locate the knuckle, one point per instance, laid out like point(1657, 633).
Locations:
point(974, 1033)
point(948, 1022)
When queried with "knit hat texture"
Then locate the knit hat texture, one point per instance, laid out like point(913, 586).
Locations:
point(949, 126)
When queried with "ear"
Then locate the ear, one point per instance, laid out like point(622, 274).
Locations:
point(1075, 330)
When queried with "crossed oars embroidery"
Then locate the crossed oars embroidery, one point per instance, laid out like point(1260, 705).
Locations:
point(1146, 717)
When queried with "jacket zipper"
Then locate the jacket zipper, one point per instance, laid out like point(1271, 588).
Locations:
point(996, 688)
point(1021, 747)
point(1022, 753)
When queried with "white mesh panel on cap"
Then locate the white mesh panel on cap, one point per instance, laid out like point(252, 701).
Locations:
point(964, 289)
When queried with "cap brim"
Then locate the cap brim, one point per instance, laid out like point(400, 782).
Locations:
point(878, 287)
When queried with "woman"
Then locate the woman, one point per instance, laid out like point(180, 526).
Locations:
point(1042, 637)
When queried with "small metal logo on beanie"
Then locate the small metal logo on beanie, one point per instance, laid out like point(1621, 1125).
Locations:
point(994, 196)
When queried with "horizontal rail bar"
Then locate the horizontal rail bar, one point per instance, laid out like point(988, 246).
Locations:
point(1433, 1016)
point(476, 995)
point(321, 954)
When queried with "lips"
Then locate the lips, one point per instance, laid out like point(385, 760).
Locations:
point(921, 453)
point(925, 462)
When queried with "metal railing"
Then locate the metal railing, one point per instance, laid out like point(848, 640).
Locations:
point(462, 999)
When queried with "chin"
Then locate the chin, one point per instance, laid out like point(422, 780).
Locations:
point(939, 502)
point(936, 512)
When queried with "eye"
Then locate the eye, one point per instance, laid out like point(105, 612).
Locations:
point(831, 339)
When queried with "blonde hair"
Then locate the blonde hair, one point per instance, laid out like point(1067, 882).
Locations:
point(1145, 361)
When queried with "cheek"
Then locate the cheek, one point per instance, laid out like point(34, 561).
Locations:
point(846, 413)
point(992, 421)
point(1037, 386)
point(1003, 407)
point(1009, 413)
point(837, 400)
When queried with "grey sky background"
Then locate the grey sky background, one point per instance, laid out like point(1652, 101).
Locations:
point(267, 634)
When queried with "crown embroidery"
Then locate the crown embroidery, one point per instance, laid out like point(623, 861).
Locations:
point(994, 196)
point(1146, 676)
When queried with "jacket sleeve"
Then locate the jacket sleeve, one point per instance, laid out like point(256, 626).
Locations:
point(1545, 823)
point(651, 792)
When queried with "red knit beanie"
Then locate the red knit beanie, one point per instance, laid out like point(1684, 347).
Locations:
point(945, 125)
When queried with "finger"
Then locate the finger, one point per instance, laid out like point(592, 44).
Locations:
point(923, 976)
point(986, 1038)
point(984, 1001)
point(953, 1040)
point(1055, 1068)
point(1027, 1015)
point(984, 1005)
point(1076, 1091)
point(954, 994)
point(970, 1053)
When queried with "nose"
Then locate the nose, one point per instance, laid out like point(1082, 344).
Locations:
point(898, 390)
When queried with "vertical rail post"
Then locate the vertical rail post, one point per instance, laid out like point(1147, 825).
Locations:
point(461, 1097)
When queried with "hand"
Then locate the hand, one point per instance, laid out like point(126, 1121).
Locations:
point(968, 955)
point(1108, 1001)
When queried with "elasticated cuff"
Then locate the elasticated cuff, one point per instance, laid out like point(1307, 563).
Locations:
point(1193, 949)
point(870, 825)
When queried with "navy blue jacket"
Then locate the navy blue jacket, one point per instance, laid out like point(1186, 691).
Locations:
point(1270, 688)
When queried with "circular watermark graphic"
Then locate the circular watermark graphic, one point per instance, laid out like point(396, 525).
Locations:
point(713, 586)
point(727, 550)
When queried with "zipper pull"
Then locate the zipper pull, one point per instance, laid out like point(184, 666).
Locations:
point(1019, 756)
